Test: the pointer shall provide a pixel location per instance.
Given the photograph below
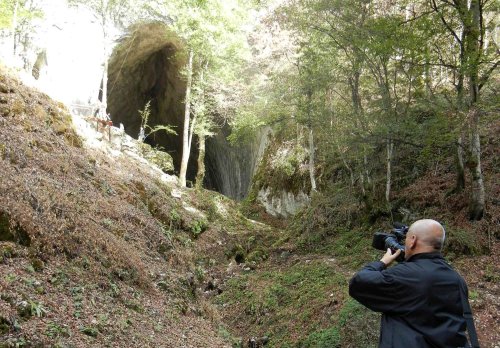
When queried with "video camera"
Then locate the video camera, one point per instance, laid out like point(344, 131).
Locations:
point(394, 240)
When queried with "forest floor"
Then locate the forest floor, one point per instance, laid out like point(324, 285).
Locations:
point(98, 248)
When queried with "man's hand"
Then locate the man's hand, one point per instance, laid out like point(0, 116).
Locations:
point(389, 257)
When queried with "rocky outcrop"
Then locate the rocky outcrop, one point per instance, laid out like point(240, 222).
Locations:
point(283, 203)
point(230, 168)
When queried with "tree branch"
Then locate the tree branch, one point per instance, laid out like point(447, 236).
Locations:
point(441, 16)
point(487, 74)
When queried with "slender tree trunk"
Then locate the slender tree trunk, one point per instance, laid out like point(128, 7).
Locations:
point(103, 106)
point(477, 204)
point(14, 26)
point(104, 101)
point(362, 184)
point(200, 176)
point(390, 149)
point(311, 160)
point(367, 171)
point(460, 184)
point(193, 122)
point(311, 143)
point(473, 53)
point(349, 169)
point(187, 112)
point(459, 162)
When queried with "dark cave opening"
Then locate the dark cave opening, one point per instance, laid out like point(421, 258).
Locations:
point(144, 68)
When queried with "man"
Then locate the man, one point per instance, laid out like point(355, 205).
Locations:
point(421, 298)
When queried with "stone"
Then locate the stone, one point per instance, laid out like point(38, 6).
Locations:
point(284, 203)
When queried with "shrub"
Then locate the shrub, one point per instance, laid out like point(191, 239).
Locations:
point(462, 242)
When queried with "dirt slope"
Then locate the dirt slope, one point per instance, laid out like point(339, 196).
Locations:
point(95, 248)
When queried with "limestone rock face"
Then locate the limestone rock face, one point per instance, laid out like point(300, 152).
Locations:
point(282, 204)
point(230, 168)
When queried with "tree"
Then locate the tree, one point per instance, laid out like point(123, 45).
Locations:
point(466, 23)
point(18, 17)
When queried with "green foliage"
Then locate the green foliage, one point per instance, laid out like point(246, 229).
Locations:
point(284, 167)
point(6, 13)
point(116, 11)
point(328, 338)
point(37, 309)
point(288, 158)
point(294, 292)
point(329, 211)
point(224, 333)
point(148, 130)
point(55, 330)
point(357, 325)
point(26, 12)
point(158, 157)
point(89, 331)
point(10, 278)
point(198, 226)
point(462, 242)
point(31, 308)
point(199, 273)
point(257, 255)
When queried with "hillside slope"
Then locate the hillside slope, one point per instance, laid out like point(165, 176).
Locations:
point(98, 247)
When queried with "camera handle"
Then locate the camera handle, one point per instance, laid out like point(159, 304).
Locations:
point(468, 317)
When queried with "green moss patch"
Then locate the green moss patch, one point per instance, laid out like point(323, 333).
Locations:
point(309, 292)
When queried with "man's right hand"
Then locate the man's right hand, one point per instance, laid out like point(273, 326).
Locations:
point(389, 257)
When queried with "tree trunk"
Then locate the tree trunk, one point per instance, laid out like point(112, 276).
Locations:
point(369, 180)
point(14, 25)
point(477, 203)
point(311, 143)
point(200, 176)
point(472, 25)
point(187, 112)
point(311, 160)
point(103, 106)
point(349, 169)
point(461, 105)
point(105, 82)
point(460, 184)
point(390, 149)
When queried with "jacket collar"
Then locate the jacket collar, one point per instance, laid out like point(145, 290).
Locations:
point(421, 256)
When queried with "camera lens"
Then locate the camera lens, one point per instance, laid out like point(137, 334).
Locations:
point(393, 244)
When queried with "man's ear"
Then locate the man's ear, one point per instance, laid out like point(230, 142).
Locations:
point(413, 241)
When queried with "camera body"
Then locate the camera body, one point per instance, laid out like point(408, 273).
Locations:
point(394, 240)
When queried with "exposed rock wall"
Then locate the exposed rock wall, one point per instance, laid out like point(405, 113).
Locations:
point(281, 183)
point(283, 203)
point(230, 168)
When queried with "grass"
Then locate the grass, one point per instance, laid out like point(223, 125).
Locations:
point(306, 292)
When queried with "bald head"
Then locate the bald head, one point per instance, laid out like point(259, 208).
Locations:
point(424, 236)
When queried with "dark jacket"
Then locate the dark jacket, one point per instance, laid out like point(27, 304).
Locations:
point(420, 301)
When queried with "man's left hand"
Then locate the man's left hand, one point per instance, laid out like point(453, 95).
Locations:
point(389, 257)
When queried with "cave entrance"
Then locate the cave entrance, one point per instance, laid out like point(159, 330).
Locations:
point(145, 67)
